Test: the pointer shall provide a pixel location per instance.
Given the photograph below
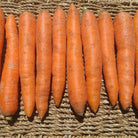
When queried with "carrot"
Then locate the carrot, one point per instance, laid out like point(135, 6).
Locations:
point(59, 55)
point(75, 72)
point(27, 25)
point(44, 61)
point(2, 24)
point(125, 43)
point(93, 58)
point(108, 56)
point(10, 73)
point(135, 97)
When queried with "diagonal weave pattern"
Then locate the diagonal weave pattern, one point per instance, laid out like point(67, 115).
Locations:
point(62, 121)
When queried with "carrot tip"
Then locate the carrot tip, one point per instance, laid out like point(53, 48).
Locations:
point(113, 104)
point(125, 107)
point(28, 114)
point(72, 6)
point(57, 103)
point(41, 114)
point(94, 110)
point(9, 118)
point(59, 7)
point(80, 114)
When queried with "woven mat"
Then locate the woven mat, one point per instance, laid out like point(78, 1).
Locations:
point(62, 121)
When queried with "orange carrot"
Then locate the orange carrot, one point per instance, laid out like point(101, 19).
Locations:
point(59, 55)
point(136, 60)
point(75, 72)
point(44, 61)
point(27, 25)
point(10, 73)
point(93, 58)
point(125, 42)
point(2, 24)
point(108, 56)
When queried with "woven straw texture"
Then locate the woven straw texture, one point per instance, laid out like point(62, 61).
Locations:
point(62, 121)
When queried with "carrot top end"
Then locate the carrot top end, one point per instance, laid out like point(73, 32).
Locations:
point(9, 118)
point(84, 9)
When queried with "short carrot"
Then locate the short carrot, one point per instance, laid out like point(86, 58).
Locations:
point(108, 56)
point(93, 58)
point(10, 73)
point(27, 26)
point(2, 24)
point(75, 70)
point(44, 61)
point(59, 55)
point(135, 97)
point(125, 43)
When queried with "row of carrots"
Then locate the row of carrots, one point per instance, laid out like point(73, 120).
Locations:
point(49, 38)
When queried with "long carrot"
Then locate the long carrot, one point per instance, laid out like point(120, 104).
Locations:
point(27, 25)
point(59, 55)
point(44, 61)
point(125, 42)
point(75, 73)
point(135, 98)
point(93, 57)
point(108, 56)
point(2, 24)
point(10, 73)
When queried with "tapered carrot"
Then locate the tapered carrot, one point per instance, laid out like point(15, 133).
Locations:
point(27, 26)
point(93, 57)
point(59, 55)
point(2, 24)
point(44, 61)
point(125, 42)
point(10, 73)
point(75, 73)
point(108, 56)
point(135, 97)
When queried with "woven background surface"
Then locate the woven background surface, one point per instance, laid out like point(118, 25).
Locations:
point(62, 121)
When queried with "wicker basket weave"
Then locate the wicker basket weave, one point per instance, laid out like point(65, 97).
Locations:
point(62, 121)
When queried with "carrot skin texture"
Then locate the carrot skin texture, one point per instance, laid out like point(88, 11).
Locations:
point(93, 58)
point(27, 30)
point(59, 55)
point(10, 73)
point(75, 73)
point(125, 43)
point(135, 96)
point(44, 61)
point(2, 24)
point(106, 30)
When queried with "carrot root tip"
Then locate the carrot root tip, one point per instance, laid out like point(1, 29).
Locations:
point(126, 109)
point(41, 114)
point(94, 111)
point(113, 104)
point(57, 106)
point(80, 114)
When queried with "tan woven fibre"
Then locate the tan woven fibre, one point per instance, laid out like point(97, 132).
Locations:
point(62, 121)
